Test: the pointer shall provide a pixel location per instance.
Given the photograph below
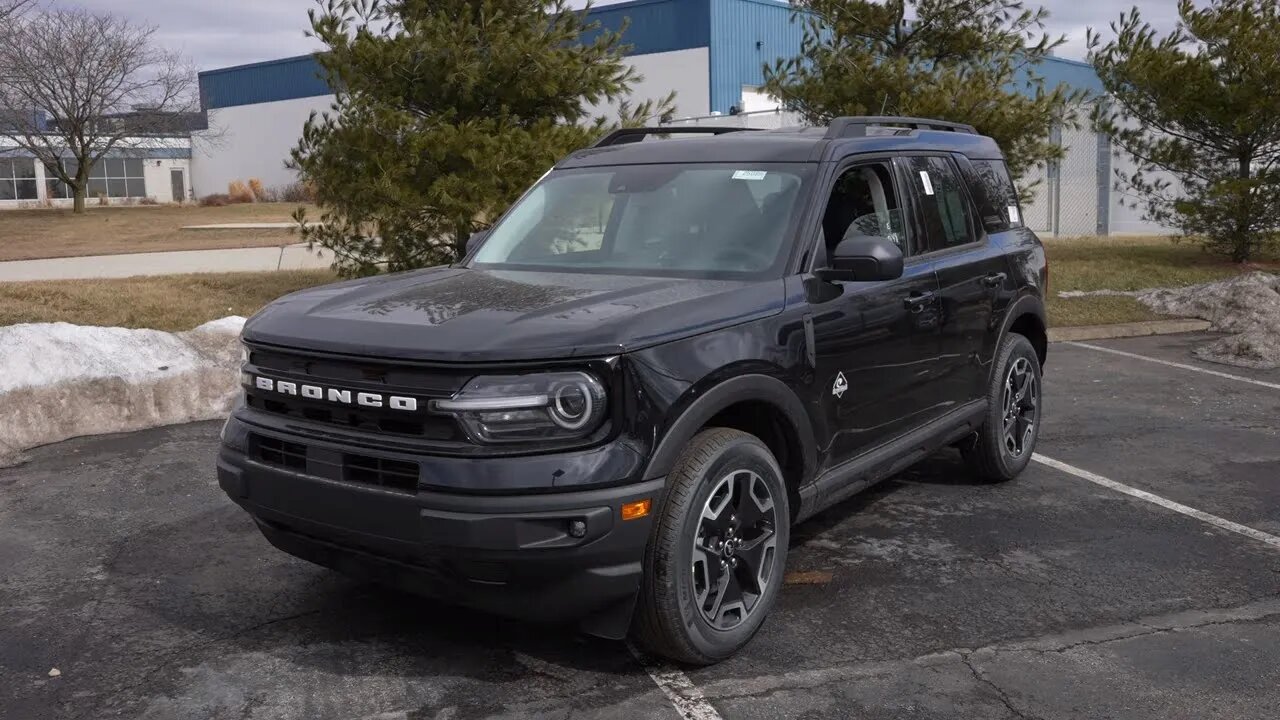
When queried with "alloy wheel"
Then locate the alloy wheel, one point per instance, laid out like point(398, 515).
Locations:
point(1021, 407)
point(734, 549)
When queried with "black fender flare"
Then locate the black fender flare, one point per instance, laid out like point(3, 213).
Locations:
point(1024, 305)
point(755, 387)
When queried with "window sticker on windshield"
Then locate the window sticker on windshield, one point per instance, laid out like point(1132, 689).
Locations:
point(1013, 214)
point(749, 174)
point(928, 184)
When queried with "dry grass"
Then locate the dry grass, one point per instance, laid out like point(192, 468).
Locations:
point(179, 302)
point(50, 233)
point(1127, 263)
point(165, 302)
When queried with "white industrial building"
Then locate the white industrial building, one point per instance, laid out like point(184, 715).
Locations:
point(156, 168)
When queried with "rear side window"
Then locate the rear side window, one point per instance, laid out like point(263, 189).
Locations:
point(945, 208)
point(994, 194)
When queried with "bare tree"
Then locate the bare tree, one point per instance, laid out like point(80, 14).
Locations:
point(9, 10)
point(76, 86)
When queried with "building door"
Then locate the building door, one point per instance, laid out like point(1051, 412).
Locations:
point(179, 180)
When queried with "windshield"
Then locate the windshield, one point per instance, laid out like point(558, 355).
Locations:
point(694, 219)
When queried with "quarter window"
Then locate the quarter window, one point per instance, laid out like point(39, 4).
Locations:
point(995, 195)
point(945, 208)
point(17, 179)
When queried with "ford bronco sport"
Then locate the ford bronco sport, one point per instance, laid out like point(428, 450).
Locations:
point(666, 354)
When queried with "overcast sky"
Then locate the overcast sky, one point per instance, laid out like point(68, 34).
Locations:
point(218, 33)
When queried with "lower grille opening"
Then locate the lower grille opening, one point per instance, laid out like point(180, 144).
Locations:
point(391, 474)
point(279, 452)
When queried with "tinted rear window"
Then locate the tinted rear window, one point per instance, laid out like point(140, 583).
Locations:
point(994, 194)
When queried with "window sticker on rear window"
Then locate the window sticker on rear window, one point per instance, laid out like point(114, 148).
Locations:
point(749, 174)
point(1013, 214)
point(928, 184)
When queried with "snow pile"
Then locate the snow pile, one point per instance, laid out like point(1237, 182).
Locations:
point(1248, 306)
point(62, 380)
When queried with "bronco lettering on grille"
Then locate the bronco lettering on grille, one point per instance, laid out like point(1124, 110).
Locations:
point(334, 395)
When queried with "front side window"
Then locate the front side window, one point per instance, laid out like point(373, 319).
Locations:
point(17, 179)
point(664, 219)
point(863, 203)
point(945, 208)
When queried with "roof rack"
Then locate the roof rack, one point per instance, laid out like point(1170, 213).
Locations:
point(625, 136)
point(857, 126)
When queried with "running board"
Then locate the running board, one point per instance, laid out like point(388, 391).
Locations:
point(846, 480)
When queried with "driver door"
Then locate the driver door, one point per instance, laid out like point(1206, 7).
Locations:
point(876, 342)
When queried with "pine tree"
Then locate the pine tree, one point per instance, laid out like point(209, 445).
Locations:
point(1201, 103)
point(445, 111)
point(970, 61)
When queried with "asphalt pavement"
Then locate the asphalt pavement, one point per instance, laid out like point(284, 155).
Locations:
point(1150, 591)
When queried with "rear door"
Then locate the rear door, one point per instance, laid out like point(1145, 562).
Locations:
point(972, 270)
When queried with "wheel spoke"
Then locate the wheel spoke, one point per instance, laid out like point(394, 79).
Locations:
point(751, 560)
point(751, 544)
point(745, 507)
point(723, 586)
point(718, 506)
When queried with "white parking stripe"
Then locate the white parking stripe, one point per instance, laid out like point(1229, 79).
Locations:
point(1214, 520)
point(685, 697)
point(1183, 366)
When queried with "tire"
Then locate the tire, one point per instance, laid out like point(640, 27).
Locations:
point(992, 455)
point(680, 591)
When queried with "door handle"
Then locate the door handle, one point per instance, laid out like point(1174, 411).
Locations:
point(915, 303)
point(994, 280)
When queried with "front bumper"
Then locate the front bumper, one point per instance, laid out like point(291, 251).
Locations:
point(511, 555)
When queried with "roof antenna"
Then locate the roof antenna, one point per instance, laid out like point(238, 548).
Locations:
point(883, 104)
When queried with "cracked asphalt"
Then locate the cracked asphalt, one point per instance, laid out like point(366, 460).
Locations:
point(124, 567)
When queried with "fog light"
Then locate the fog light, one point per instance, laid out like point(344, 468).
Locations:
point(577, 528)
point(636, 510)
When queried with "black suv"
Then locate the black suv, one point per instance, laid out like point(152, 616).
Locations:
point(660, 359)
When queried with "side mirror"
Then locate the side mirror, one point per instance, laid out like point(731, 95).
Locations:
point(864, 257)
point(476, 238)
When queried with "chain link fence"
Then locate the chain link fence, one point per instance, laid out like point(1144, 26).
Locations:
point(1070, 197)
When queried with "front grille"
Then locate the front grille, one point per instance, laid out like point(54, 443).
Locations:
point(387, 473)
point(273, 451)
point(386, 378)
point(418, 425)
point(392, 474)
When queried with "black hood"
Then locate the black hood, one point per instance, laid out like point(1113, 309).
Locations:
point(459, 314)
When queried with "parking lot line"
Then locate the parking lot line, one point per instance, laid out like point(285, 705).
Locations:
point(1177, 507)
point(685, 697)
point(1183, 366)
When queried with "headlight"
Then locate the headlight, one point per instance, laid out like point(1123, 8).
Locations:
point(516, 408)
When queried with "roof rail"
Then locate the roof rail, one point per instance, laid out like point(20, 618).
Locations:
point(857, 126)
point(625, 136)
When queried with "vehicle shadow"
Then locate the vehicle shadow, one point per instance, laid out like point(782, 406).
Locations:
point(942, 468)
point(215, 576)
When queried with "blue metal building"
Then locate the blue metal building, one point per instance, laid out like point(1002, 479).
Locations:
point(711, 53)
point(739, 36)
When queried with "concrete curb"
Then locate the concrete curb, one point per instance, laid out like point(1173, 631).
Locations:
point(1123, 330)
